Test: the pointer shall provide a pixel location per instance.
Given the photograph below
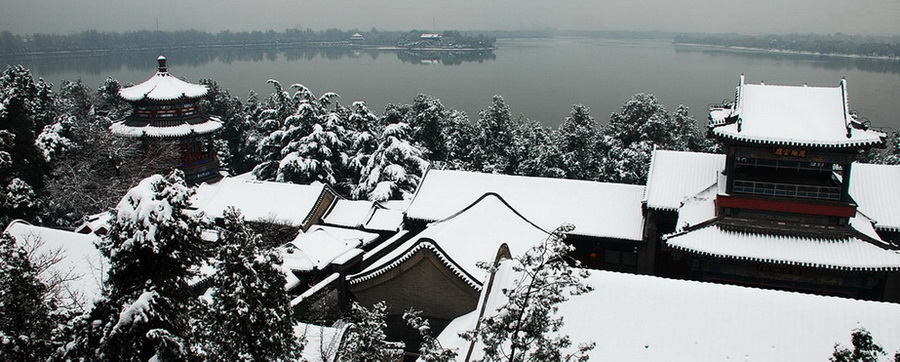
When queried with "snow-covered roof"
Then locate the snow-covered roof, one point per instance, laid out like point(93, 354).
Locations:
point(162, 86)
point(127, 128)
point(260, 201)
point(874, 187)
point(321, 245)
point(792, 115)
point(349, 213)
point(462, 240)
point(645, 318)
point(363, 214)
point(81, 267)
point(94, 224)
point(597, 209)
point(675, 175)
point(848, 253)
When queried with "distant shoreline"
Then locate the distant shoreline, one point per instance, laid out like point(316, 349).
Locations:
point(299, 45)
point(782, 51)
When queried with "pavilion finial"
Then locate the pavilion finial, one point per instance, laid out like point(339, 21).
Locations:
point(163, 68)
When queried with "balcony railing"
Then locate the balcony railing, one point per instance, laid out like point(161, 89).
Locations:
point(789, 190)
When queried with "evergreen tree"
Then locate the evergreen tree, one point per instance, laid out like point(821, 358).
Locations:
point(153, 245)
point(579, 146)
point(538, 154)
point(307, 145)
point(395, 169)
point(233, 142)
point(496, 140)
point(26, 312)
point(525, 328)
point(363, 129)
point(429, 120)
point(249, 317)
point(365, 340)
point(23, 108)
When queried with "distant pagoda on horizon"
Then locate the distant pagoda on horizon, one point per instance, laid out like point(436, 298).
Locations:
point(166, 112)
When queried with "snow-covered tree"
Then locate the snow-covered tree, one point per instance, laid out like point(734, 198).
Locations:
point(526, 328)
point(366, 340)
point(307, 145)
point(864, 349)
point(537, 153)
point(430, 350)
point(235, 139)
point(249, 315)
point(23, 107)
point(641, 125)
point(153, 246)
point(429, 119)
point(26, 320)
point(578, 143)
point(496, 140)
point(394, 170)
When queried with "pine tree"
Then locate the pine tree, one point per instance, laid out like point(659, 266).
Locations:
point(152, 245)
point(429, 119)
point(578, 143)
point(26, 312)
point(395, 169)
point(525, 328)
point(23, 107)
point(538, 154)
point(366, 340)
point(496, 140)
point(249, 316)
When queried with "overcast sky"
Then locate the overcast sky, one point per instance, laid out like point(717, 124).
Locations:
point(741, 16)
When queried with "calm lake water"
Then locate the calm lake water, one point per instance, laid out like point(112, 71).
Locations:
point(540, 79)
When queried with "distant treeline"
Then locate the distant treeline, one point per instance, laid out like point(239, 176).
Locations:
point(842, 44)
point(112, 41)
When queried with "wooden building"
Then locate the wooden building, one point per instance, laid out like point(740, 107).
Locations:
point(776, 210)
point(167, 114)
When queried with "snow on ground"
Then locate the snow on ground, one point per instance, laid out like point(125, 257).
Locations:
point(645, 318)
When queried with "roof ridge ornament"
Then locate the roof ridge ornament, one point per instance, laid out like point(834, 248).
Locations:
point(163, 68)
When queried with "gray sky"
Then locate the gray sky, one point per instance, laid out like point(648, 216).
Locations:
point(741, 16)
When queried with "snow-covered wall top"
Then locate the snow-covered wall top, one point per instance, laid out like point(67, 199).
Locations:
point(874, 187)
point(793, 115)
point(644, 318)
point(596, 209)
point(259, 200)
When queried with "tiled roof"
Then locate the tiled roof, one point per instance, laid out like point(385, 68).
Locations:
point(462, 240)
point(675, 175)
point(259, 200)
point(792, 115)
point(163, 86)
point(596, 209)
point(849, 253)
point(874, 187)
point(122, 128)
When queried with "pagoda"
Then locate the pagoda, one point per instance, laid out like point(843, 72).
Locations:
point(166, 112)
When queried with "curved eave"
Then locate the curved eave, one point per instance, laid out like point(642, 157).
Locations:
point(683, 248)
point(423, 245)
point(869, 142)
point(199, 129)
